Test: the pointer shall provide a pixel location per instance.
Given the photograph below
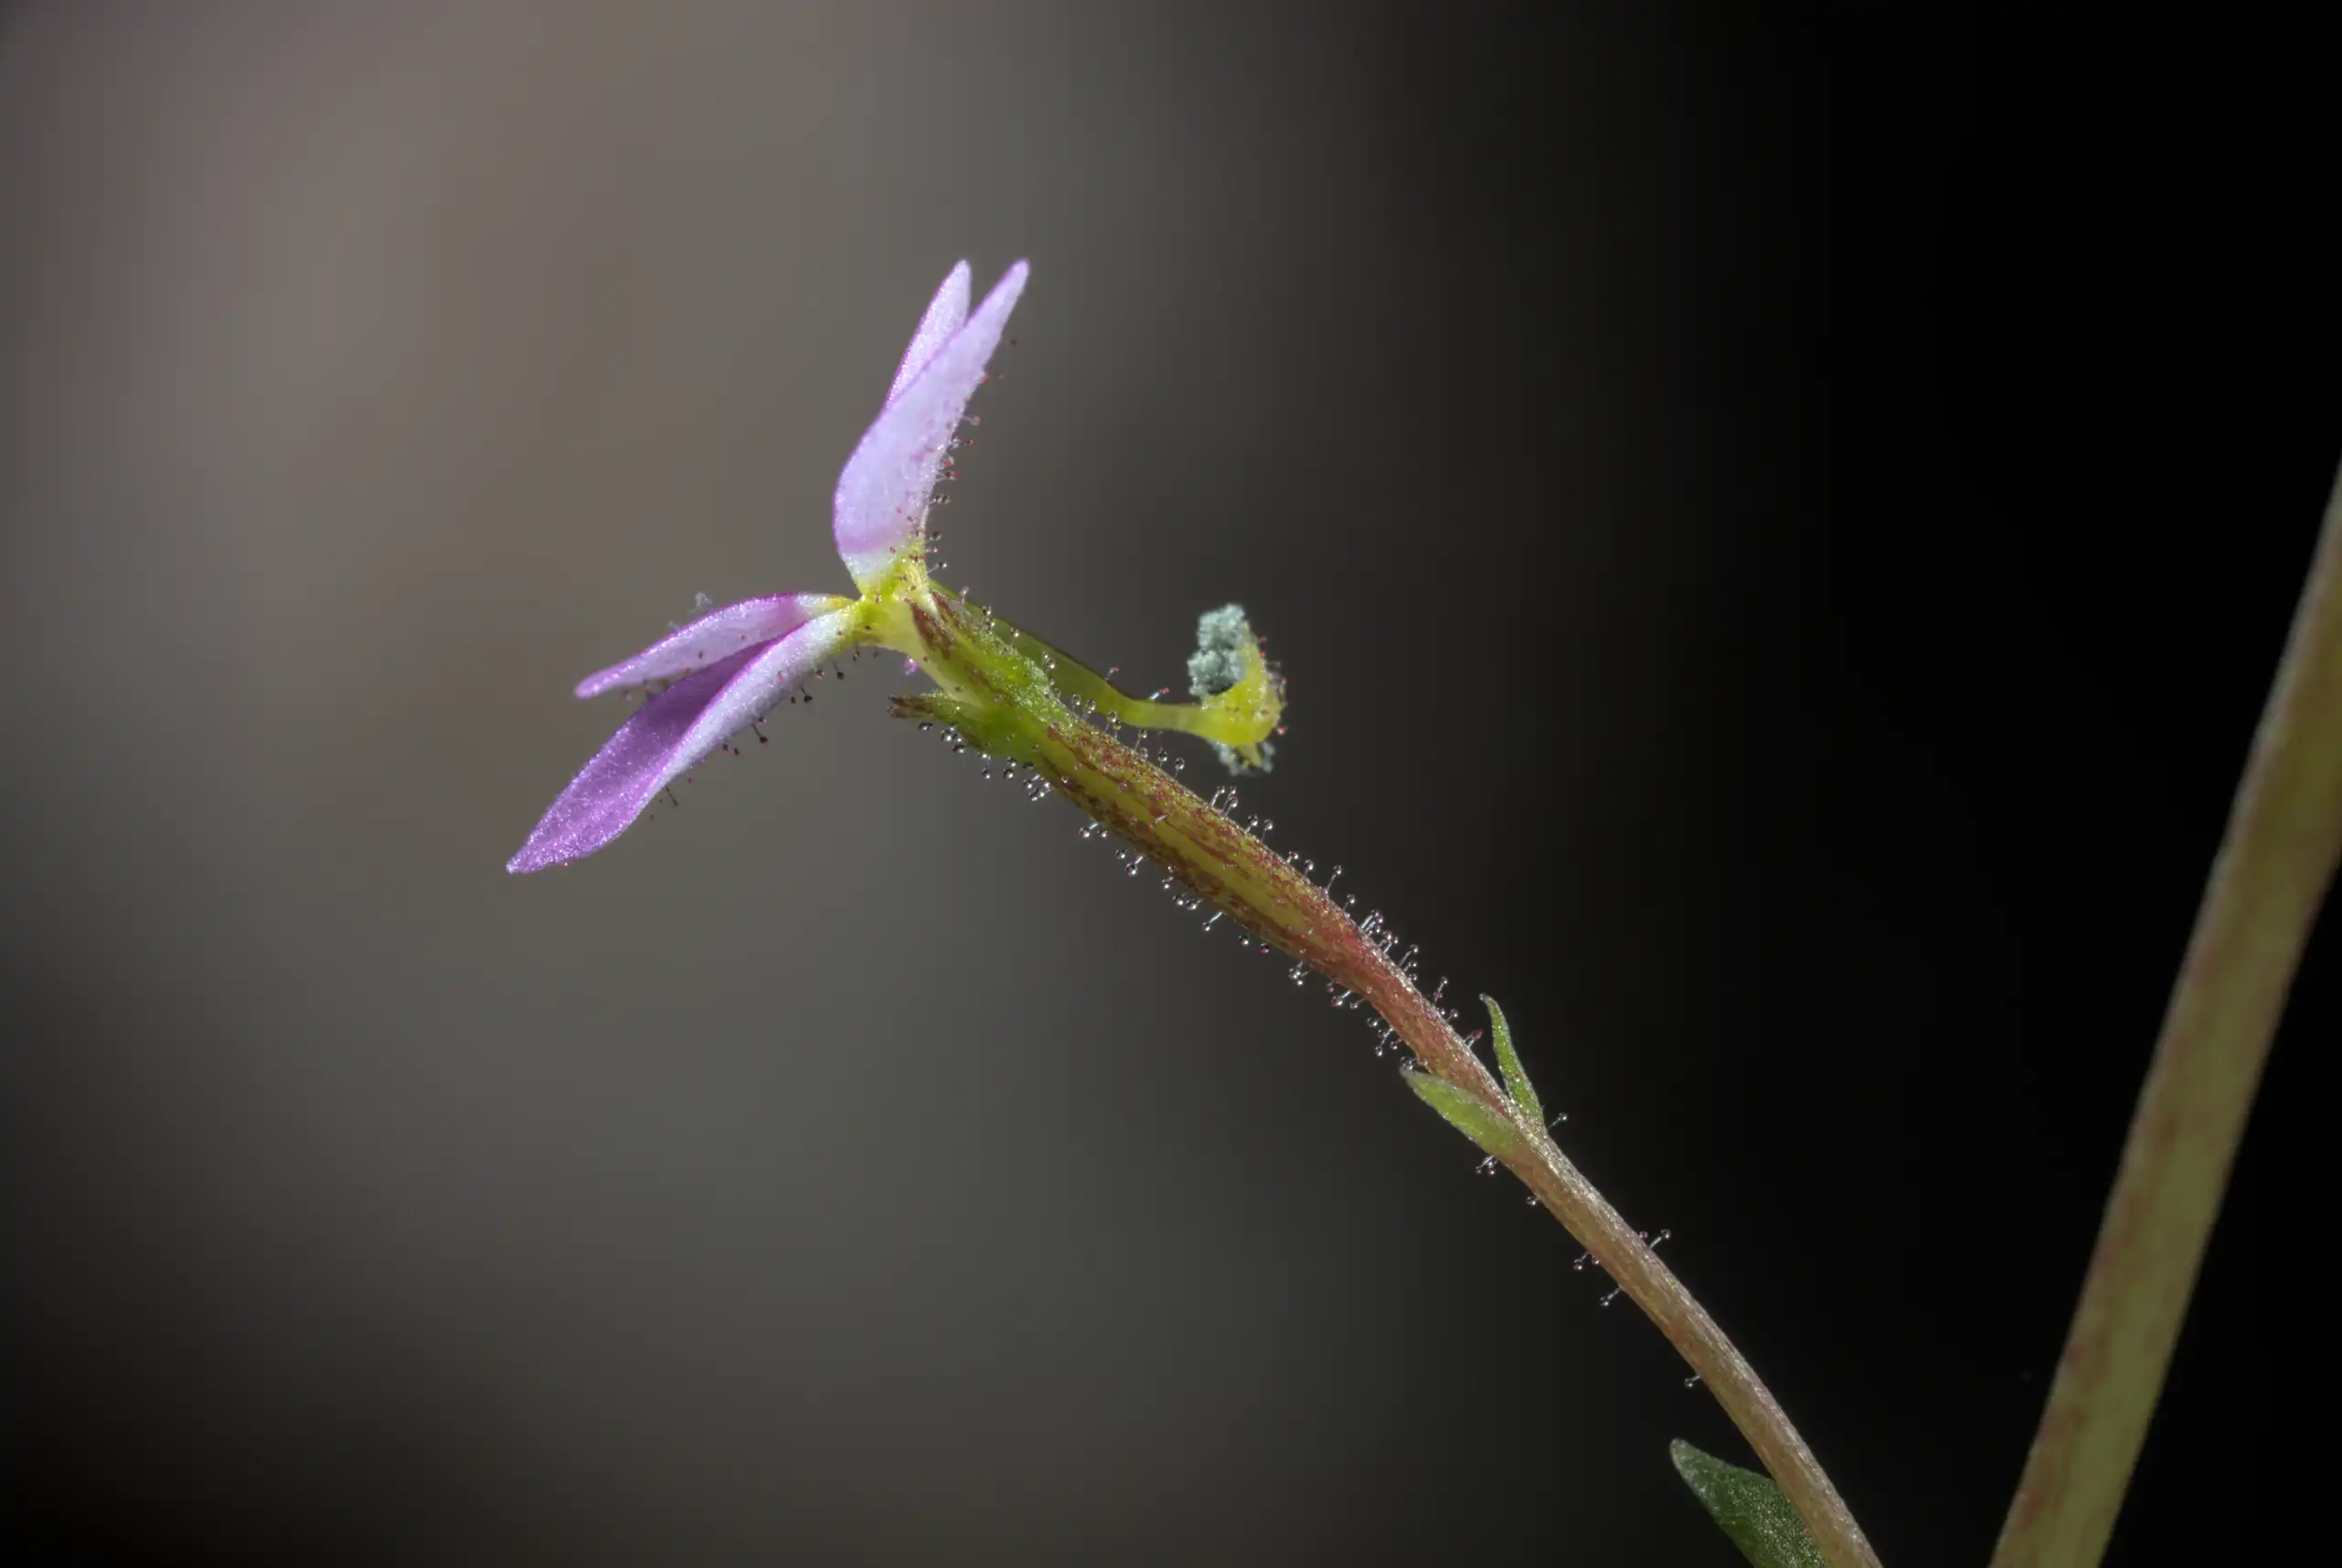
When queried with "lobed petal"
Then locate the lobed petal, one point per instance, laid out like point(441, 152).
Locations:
point(883, 493)
point(946, 313)
point(710, 640)
point(673, 733)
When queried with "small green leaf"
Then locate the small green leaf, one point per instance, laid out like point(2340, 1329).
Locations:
point(1749, 1507)
point(1516, 1077)
point(1485, 1127)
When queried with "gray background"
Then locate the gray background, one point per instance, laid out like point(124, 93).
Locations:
point(853, 1166)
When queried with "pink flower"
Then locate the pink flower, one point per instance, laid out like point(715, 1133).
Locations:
point(727, 668)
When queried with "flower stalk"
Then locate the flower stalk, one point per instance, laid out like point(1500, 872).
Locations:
point(1007, 705)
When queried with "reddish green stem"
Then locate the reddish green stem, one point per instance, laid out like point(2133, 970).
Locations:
point(1002, 691)
point(1211, 855)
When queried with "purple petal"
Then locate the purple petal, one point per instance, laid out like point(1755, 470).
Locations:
point(884, 491)
point(714, 636)
point(945, 313)
point(673, 733)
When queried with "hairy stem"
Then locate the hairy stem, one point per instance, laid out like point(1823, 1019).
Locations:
point(2284, 836)
point(1652, 1286)
point(1000, 693)
point(1203, 849)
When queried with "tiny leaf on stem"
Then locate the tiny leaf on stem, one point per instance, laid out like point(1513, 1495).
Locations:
point(1485, 1127)
point(1749, 1507)
point(1516, 1077)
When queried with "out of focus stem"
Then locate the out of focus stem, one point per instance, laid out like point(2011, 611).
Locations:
point(2284, 837)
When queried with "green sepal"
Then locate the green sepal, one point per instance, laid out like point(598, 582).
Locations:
point(992, 728)
point(1748, 1507)
point(1487, 1128)
point(1516, 1077)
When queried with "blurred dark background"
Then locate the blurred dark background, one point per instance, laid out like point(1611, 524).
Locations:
point(1778, 525)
